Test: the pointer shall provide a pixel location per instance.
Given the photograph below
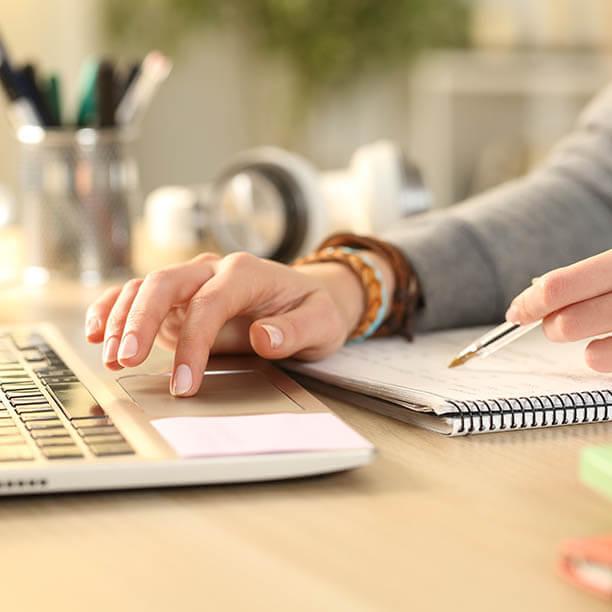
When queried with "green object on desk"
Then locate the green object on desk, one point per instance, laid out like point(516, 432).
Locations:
point(596, 469)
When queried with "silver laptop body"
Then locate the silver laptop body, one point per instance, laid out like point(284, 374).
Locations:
point(62, 429)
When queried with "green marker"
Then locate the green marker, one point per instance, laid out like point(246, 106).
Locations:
point(87, 107)
point(53, 96)
point(596, 469)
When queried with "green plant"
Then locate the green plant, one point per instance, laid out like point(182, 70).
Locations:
point(327, 42)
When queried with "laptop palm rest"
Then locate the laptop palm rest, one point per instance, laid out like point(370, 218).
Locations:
point(223, 393)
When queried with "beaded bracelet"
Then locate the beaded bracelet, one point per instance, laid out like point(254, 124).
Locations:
point(372, 281)
point(407, 299)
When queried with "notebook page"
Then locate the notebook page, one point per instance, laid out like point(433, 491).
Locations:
point(394, 369)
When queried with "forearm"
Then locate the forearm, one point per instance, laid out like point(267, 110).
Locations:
point(473, 259)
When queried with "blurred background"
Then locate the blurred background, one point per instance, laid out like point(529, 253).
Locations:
point(475, 91)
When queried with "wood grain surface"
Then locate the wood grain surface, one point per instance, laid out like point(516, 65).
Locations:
point(433, 524)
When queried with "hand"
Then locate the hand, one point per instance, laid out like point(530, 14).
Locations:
point(234, 304)
point(574, 302)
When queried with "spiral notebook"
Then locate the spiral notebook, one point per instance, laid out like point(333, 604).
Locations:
point(529, 384)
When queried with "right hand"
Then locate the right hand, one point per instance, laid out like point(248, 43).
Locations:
point(235, 304)
point(574, 303)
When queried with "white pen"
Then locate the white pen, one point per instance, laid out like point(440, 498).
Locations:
point(153, 72)
point(492, 341)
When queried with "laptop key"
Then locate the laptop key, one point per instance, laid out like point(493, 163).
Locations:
point(91, 422)
point(111, 448)
point(32, 355)
point(8, 363)
point(53, 432)
point(57, 441)
point(15, 439)
point(34, 408)
point(28, 340)
point(19, 387)
point(62, 452)
point(15, 453)
point(28, 401)
point(33, 392)
point(92, 432)
point(38, 416)
point(44, 424)
point(77, 403)
point(13, 373)
point(103, 438)
point(60, 380)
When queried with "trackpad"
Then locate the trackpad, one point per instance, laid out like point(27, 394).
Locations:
point(221, 394)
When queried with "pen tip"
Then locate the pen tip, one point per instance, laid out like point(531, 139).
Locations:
point(461, 359)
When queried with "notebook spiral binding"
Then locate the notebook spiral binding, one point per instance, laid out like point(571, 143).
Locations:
point(532, 412)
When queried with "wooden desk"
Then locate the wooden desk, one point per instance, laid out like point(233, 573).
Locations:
point(433, 524)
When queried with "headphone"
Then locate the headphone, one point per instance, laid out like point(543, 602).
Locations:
point(276, 204)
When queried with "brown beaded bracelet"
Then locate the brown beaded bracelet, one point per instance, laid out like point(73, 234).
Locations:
point(375, 300)
point(407, 297)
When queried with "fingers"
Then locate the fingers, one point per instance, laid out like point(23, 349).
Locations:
point(234, 337)
point(97, 315)
point(208, 310)
point(239, 284)
point(598, 355)
point(581, 281)
point(582, 320)
point(116, 321)
point(312, 330)
point(157, 296)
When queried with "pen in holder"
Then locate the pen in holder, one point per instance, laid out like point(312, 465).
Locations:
point(79, 188)
point(79, 183)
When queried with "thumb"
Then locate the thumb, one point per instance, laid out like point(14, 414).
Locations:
point(312, 330)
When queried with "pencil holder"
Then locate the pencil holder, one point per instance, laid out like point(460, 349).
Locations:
point(79, 188)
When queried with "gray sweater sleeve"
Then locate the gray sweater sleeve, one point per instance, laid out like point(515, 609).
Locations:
point(473, 258)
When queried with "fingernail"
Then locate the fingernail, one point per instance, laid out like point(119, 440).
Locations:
point(129, 347)
point(512, 314)
point(275, 335)
point(109, 354)
point(92, 325)
point(182, 380)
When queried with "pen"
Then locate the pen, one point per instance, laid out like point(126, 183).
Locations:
point(492, 341)
point(87, 106)
point(154, 70)
point(125, 83)
point(27, 76)
point(53, 95)
point(22, 110)
point(105, 95)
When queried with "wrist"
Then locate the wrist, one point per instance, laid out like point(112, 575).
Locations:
point(346, 289)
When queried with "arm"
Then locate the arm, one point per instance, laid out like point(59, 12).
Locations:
point(474, 258)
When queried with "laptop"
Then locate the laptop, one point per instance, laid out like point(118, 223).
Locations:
point(63, 429)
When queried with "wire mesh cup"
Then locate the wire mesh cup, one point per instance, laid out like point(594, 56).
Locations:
point(79, 190)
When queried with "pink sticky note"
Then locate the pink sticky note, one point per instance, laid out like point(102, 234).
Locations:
point(257, 434)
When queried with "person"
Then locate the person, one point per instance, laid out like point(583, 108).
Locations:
point(460, 266)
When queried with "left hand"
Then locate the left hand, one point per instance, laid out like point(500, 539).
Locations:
point(575, 302)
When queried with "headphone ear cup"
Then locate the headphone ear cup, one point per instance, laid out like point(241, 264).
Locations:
point(298, 185)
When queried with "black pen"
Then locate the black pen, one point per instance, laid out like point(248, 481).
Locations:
point(27, 75)
point(105, 95)
point(22, 110)
point(125, 84)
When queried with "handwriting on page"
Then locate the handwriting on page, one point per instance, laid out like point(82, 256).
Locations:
point(418, 372)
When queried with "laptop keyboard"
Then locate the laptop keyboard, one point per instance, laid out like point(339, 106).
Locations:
point(45, 410)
